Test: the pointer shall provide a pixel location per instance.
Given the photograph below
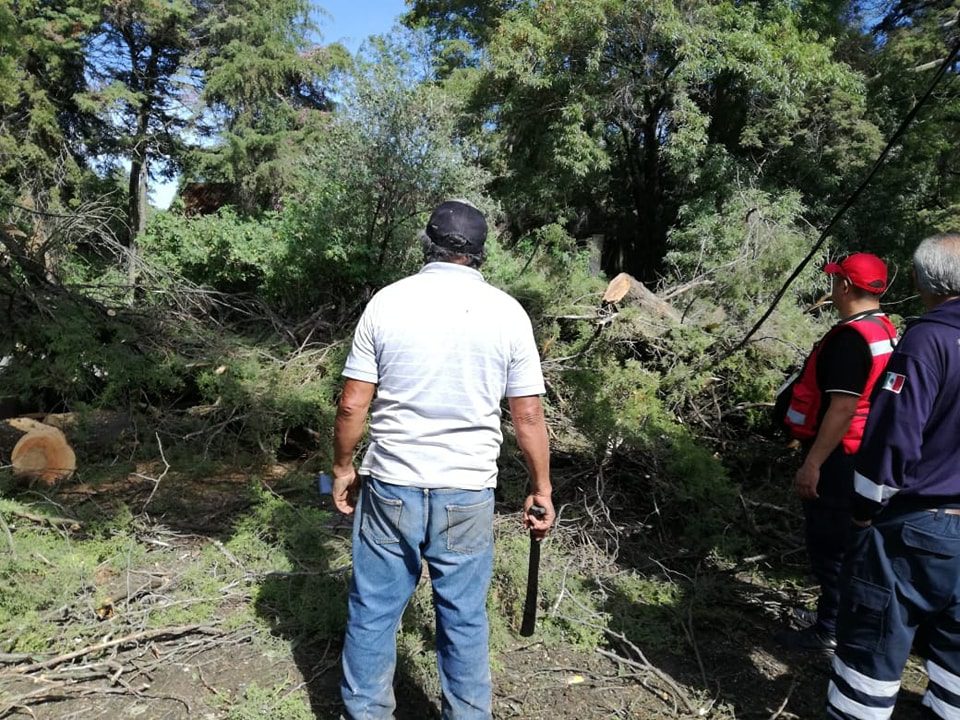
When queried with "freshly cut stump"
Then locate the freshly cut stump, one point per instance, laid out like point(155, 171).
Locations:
point(625, 288)
point(43, 454)
point(618, 288)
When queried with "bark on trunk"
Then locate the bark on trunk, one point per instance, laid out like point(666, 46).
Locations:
point(625, 289)
point(642, 239)
point(91, 434)
point(137, 213)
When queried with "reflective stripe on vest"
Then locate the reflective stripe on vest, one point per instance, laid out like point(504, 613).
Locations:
point(795, 417)
point(803, 414)
point(881, 347)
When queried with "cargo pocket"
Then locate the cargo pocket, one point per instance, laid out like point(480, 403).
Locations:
point(929, 542)
point(470, 527)
point(863, 615)
point(856, 535)
point(381, 517)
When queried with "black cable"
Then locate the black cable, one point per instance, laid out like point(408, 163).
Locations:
point(941, 71)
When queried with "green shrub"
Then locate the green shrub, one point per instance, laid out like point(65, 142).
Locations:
point(268, 393)
point(72, 354)
point(222, 251)
point(645, 610)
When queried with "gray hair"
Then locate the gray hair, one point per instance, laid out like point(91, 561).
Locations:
point(937, 265)
point(437, 253)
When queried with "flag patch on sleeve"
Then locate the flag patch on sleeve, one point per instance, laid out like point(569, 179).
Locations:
point(894, 382)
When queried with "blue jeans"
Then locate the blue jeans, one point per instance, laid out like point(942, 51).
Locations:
point(395, 528)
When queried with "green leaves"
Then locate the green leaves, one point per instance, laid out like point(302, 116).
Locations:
point(267, 87)
point(9, 72)
point(372, 178)
point(613, 108)
point(40, 71)
point(353, 198)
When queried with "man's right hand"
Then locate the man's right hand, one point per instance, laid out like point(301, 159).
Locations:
point(806, 481)
point(539, 526)
point(346, 488)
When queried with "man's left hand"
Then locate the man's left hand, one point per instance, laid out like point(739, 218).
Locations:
point(346, 487)
point(806, 481)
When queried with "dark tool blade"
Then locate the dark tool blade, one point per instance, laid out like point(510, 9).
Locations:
point(533, 580)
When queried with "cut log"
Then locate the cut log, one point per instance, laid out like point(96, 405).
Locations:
point(28, 425)
point(617, 289)
point(92, 434)
point(626, 288)
point(43, 454)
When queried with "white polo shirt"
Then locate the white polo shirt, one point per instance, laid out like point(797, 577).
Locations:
point(444, 348)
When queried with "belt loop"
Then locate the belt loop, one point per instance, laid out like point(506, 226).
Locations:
point(940, 513)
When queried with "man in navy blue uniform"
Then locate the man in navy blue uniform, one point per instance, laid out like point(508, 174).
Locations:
point(828, 407)
point(902, 575)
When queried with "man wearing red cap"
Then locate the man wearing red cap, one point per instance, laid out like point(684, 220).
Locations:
point(902, 589)
point(827, 412)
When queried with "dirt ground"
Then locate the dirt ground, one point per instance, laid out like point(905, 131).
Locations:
point(750, 682)
point(729, 666)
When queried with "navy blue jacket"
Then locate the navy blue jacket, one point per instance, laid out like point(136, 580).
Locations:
point(911, 444)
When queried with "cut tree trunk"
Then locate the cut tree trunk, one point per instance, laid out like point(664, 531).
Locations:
point(42, 454)
point(626, 289)
point(91, 434)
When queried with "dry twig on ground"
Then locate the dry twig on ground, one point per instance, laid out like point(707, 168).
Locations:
point(157, 480)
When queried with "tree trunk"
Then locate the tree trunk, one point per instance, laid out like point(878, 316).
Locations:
point(642, 238)
point(144, 81)
point(137, 210)
point(625, 289)
point(650, 243)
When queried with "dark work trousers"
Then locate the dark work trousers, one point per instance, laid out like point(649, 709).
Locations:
point(827, 530)
point(902, 575)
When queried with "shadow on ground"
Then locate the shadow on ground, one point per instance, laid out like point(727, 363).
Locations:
point(718, 642)
point(307, 607)
point(714, 633)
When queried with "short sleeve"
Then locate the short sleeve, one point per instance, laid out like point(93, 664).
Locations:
point(844, 364)
point(362, 361)
point(524, 375)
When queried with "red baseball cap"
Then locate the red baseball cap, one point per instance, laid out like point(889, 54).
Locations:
point(864, 270)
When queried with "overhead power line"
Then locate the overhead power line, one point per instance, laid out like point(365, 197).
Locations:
point(854, 196)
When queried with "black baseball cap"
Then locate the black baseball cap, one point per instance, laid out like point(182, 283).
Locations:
point(458, 227)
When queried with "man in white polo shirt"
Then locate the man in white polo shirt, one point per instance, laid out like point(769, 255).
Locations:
point(439, 350)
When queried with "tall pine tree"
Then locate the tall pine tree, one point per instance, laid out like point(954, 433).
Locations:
point(267, 90)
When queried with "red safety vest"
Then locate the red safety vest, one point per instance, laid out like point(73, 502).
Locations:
point(803, 413)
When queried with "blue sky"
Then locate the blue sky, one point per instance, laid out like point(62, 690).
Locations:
point(347, 21)
point(353, 21)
